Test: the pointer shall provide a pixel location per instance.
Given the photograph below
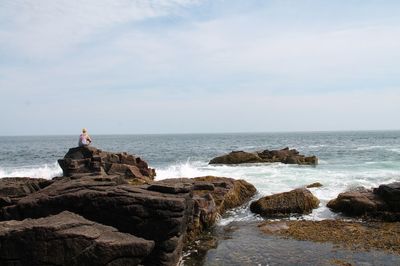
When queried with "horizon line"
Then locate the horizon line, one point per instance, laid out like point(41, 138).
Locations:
point(208, 133)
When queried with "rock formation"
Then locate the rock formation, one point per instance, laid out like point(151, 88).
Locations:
point(14, 188)
point(381, 203)
point(285, 155)
point(298, 201)
point(82, 161)
point(169, 213)
point(68, 239)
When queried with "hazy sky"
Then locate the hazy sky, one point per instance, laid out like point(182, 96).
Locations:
point(178, 66)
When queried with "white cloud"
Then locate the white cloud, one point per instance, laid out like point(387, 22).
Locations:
point(47, 28)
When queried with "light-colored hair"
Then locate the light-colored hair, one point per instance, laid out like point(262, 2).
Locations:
point(84, 130)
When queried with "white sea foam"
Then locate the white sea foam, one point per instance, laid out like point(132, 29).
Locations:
point(276, 178)
point(43, 171)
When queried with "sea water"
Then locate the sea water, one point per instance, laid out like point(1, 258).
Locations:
point(346, 159)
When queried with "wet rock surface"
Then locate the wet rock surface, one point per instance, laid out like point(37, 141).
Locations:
point(68, 239)
point(379, 203)
point(81, 161)
point(286, 155)
point(298, 201)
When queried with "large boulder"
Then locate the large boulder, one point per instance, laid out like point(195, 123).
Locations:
point(285, 155)
point(298, 201)
point(68, 239)
point(169, 212)
point(13, 189)
point(82, 161)
point(379, 203)
point(212, 197)
point(390, 193)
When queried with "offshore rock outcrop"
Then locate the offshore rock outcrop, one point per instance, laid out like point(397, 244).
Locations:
point(286, 155)
point(169, 213)
point(298, 201)
point(81, 161)
point(379, 203)
point(68, 239)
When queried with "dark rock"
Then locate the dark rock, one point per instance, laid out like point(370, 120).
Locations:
point(298, 201)
point(313, 185)
point(285, 155)
point(14, 188)
point(237, 157)
point(148, 214)
point(379, 203)
point(212, 197)
point(390, 193)
point(82, 161)
point(169, 212)
point(68, 239)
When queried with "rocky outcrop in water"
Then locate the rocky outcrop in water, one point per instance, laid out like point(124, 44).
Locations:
point(82, 161)
point(298, 201)
point(285, 155)
point(168, 213)
point(68, 239)
point(379, 203)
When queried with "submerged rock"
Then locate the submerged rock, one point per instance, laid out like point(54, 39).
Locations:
point(379, 203)
point(298, 201)
point(82, 161)
point(354, 235)
point(68, 239)
point(285, 155)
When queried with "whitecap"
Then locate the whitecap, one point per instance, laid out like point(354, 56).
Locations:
point(42, 171)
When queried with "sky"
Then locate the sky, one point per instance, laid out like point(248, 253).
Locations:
point(200, 66)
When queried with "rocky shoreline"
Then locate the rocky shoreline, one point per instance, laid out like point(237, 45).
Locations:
point(107, 209)
point(102, 193)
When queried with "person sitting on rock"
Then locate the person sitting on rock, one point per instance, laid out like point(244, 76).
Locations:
point(84, 138)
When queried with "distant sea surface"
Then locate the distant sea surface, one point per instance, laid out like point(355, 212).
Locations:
point(346, 159)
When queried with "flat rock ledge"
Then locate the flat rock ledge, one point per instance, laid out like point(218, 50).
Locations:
point(81, 161)
point(348, 234)
point(168, 213)
point(68, 239)
point(13, 189)
point(381, 203)
point(297, 201)
point(286, 156)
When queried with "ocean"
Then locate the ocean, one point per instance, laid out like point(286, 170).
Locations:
point(346, 160)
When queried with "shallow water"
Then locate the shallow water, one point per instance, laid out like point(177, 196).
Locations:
point(242, 243)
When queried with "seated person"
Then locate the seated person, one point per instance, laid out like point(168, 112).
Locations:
point(84, 138)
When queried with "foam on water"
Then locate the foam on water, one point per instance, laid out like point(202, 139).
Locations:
point(42, 171)
point(276, 178)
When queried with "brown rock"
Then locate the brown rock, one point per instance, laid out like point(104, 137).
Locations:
point(285, 155)
point(298, 201)
point(82, 161)
point(313, 185)
point(168, 212)
point(237, 157)
point(68, 239)
point(379, 203)
point(14, 188)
